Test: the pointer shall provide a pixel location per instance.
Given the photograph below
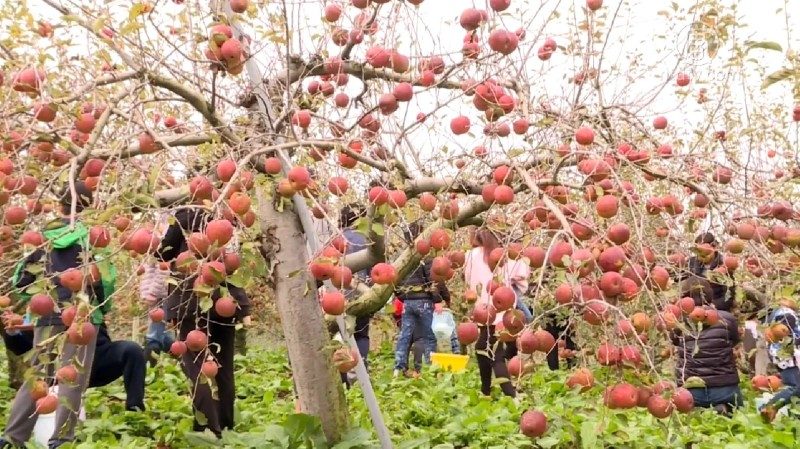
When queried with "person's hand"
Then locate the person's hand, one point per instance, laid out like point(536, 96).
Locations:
point(246, 321)
point(438, 307)
point(11, 319)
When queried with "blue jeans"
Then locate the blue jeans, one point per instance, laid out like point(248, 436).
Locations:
point(526, 312)
point(729, 395)
point(158, 337)
point(791, 387)
point(455, 345)
point(418, 312)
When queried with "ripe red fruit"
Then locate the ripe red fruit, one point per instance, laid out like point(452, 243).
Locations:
point(503, 194)
point(225, 169)
point(301, 118)
point(427, 202)
point(659, 406)
point(239, 6)
point(333, 303)
point(338, 185)
point(178, 348)
point(503, 298)
point(533, 423)
point(99, 237)
point(15, 215)
point(142, 241)
point(67, 374)
point(608, 354)
point(484, 314)
point(439, 239)
point(71, 279)
point(157, 315)
point(41, 304)
point(299, 177)
point(471, 18)
point(618, 233)
point(219, 232)
point(607, 206)
point(403, 91)
point(225, 307)
point(503, 41)
point(660, 122)
point(200, 188)
point(28, 80)
point(621, 396)
point(682, 80)
point(582, 378)
point(85, 122)
point(341, 277)
point(196, 340)
point(239, 203)
point(544, 341)
point(332, 12)
point(584, 136)
point(81, 334)
point(467, 333)
point(683, 400)
point(32, 238)
point(383, 273)
point(272, 165)
point(209, 368)
point(460, 125)
point(44, 112)
point(594, 5)
point(47, 404)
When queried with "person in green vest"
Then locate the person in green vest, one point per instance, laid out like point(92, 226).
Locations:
point(66, 247)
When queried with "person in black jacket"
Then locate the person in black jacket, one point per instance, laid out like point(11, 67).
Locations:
point(707, 354)
point(708, 260)
point(420, 296)
point(184, 307)
point(67, 249)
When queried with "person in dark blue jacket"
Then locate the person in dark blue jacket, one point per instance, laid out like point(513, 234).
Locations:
point(356, 242)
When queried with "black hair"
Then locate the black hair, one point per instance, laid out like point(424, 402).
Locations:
point(701, 290)
point(413, 231)
point(84, 197)
point(349, 214)
point(707, 238)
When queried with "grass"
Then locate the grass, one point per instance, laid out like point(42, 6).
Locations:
point(439, 410)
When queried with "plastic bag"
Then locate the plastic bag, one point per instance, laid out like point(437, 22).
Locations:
point(443, 325)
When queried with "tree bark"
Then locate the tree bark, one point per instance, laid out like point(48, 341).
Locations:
point(317, 381)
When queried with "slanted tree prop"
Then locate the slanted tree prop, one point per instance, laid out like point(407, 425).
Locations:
point(598, 164)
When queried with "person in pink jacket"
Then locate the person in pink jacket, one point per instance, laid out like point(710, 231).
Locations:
point(478, 274)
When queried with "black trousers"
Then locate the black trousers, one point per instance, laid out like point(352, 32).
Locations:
point(563, 332)
point(361, 335)
point(491, 357)
point(112, 360)
point(125, 359)
point(217, 409)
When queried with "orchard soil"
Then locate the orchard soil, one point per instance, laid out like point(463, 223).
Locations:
point(438, 410)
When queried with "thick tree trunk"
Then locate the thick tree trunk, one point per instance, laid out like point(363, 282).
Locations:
point(307, 340)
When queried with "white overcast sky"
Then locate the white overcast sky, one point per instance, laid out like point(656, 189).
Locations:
point(640, 34)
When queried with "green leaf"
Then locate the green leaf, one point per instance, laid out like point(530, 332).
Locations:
point(774, 77)
point(766, 45)
point(377, 228)
point(588, 435)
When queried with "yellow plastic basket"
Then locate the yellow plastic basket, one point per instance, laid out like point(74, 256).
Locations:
point(450, 362)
